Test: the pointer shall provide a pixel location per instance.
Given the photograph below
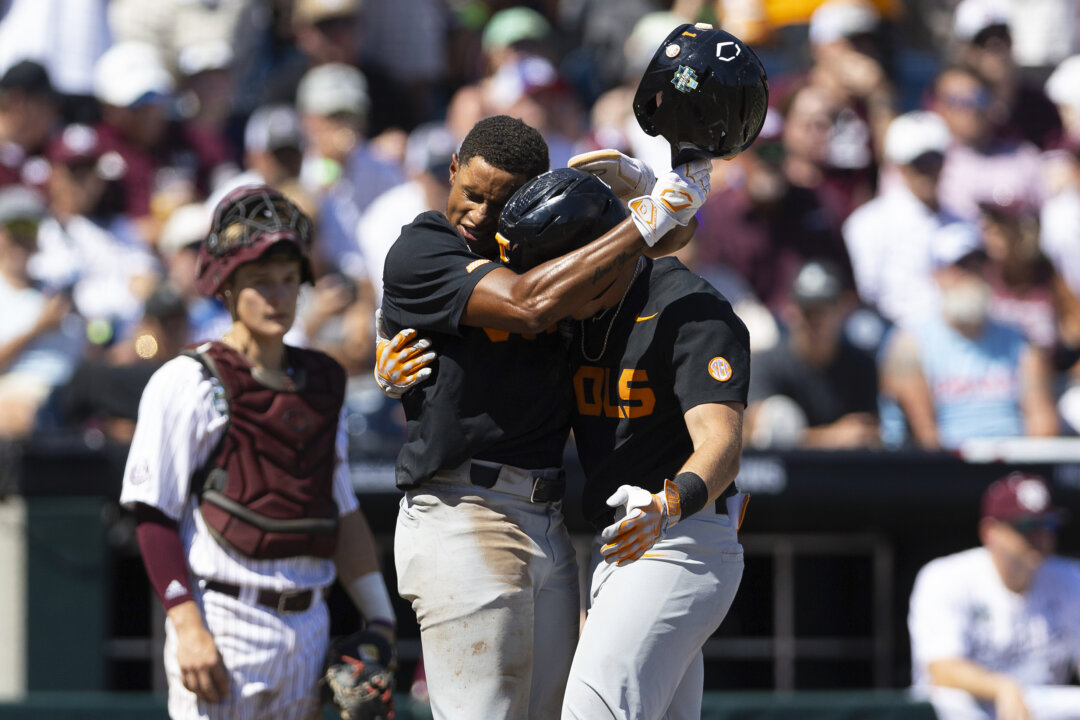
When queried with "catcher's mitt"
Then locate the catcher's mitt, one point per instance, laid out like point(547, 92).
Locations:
point(359, 678)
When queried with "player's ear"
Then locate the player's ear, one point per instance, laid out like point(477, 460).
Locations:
point(453, 167)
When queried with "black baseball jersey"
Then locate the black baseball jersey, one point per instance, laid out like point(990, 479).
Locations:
point(494, 395)
point(675, 344)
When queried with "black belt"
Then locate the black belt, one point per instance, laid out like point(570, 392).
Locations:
point(720, 507)
point(285, 601)
point(545, 489)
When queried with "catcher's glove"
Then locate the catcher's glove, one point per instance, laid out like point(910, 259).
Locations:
point(359, 678)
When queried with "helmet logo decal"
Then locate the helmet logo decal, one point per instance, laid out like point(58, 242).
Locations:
point(685, 79)
point(720, 53)
point(672, 50)
point(720, 369)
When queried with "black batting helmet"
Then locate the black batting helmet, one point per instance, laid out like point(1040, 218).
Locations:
point(705, 92)
point(553, 214)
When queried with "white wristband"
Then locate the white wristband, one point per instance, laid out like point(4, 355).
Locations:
point(369, 594)
point(652, 221)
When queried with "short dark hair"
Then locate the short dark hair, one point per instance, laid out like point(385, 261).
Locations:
point(508, 144)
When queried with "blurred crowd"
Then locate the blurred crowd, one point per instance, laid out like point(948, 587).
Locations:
point(903, 238)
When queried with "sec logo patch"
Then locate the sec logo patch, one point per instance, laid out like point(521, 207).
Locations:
point(720, 369)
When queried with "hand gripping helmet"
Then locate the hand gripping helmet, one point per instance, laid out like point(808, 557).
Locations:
point(553, 214)
point(705, 92)
point(248, 222)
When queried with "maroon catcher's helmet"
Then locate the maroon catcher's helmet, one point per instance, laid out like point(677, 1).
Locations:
point(247, 222)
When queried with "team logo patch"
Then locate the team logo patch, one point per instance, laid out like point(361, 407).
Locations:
point(475, 264)
point(720, 369)
point(685, 79)
point(140, 473)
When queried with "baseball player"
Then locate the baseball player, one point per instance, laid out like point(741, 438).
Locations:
point(238, 479)
point(481, 547)
point(660, 378)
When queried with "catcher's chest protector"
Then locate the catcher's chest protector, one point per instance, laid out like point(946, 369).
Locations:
point(268, 489)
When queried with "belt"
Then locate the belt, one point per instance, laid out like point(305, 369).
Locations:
point(285, 601)
point(538, 486)
point(719, 507)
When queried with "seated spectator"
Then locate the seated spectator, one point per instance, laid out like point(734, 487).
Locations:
point(40, 338)
point(1018, 108)
point(181, 237)
point(1063, 89)
point(761, 226)
point(1059, 221)
point(29, 110)
point(980, 162)
point(340, 168)
point(814, 389)
point(890, 239)
point(96, 254)
point(995, 631)
point(958, 374)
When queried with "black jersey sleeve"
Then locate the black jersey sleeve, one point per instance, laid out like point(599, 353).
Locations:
point(710, 350)
point(429, 275)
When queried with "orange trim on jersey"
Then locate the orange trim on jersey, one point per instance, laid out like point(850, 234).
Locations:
point(475, 264)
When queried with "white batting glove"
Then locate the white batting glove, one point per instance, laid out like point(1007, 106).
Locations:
point(674, 199)
point(648, 515)
point(626, 176)
point(400, 362)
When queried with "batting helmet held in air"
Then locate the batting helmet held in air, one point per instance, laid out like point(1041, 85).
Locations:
point(247, 223)
point(553, 214)
point(705, 92)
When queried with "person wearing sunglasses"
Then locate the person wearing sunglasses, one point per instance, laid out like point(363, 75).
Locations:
point(995, 630)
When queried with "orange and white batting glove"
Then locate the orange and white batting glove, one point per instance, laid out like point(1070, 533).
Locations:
point(401, 362)
point(648, 515)
point(626, 176)
point(674, 199)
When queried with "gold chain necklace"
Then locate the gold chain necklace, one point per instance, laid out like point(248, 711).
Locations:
point(611, 323)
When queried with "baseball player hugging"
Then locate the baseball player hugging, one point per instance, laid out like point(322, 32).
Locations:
point(238, 479)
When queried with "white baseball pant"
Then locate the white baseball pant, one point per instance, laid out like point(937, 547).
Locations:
point(274, 660)
point(639, 655)
point(493, 580)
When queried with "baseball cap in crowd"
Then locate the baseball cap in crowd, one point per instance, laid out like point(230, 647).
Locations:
point(333, 88)
point(1020, 497)
point(513, 25)
point(818, 282)
point(913, 134)
point(309, 12)
point(187, 225)
point(429, 149)
point(75, 143)
point(839, 19)
point(956, 243)
point(1063, 85)
point(1008, 206)
point(28, 76)
point(202, 57)
point(975, 17)
point(131, 73)
point(20, 203)
point(273, 127)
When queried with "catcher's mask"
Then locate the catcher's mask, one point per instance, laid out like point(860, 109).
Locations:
point(553, 214)
point(705, 92)
point(247, 223)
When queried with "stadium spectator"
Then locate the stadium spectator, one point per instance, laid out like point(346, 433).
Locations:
point(980, 163)
point(995, 630)
point(890, 238)
point(178, 248)
point(761, 226)
point(40, 339)
point(340, 168)
point(958, 374)
point(29, 110)
point(1018, 108)
point(96, 255)
point(809, 123)
point(814, 389)
point(1063, 89)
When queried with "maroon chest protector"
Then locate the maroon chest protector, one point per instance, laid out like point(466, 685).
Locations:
point(267, 490)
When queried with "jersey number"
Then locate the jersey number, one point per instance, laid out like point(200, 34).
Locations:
point(596, 397)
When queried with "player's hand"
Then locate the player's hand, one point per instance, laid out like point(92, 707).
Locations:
point(1009, 702)
point(402, 361)
point(201, 668)
point(626, 176)
point(674, 199)
point(648, 515)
